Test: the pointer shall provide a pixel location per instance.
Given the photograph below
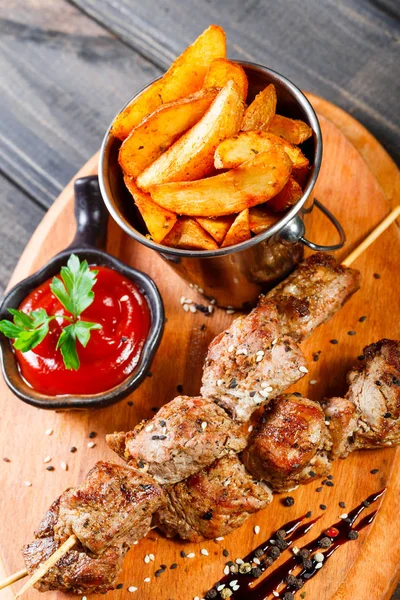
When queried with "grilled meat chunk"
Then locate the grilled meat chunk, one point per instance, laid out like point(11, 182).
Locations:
point(289, 446)
point(251, 362)
point(213, 502)
point(114, 505)
point(77, 572)
point(110, 510)
point(369, 416)
point(312, 294)
point(186, 435)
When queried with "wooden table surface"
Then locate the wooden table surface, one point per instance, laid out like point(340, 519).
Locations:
point(68, 66)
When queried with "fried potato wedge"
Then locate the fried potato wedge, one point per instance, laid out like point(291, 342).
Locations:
point(260, 112)
point(217, 227)
point(293, 130)
point(254, 182)
point(158, 220)
point(157, 132)
point(233, 152)
point(223, 70)
point(184, 77)
point(301, 175)
point(189, 235)
point(261, 218)
point(288, 196)
point(192, 156)
point(239, 231)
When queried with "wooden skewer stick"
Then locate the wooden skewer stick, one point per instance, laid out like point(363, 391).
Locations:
point(46, 566)
point(13, 578)
point(372, 236)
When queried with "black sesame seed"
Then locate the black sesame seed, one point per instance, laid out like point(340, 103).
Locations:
point(342, 505)
point(330, 483)
point(6, 459)
point(163, 567)
point(324, 482)
point(225, 552)
point(252, 394)
point(130, 403)
point(362, 319)
point(174, 566)
point(92, 434)
point(288, 501)
point(396, 381)
point(124, 339)
point(179, 388)
point(297, 394)
point(318, 489)
point(73, 449)
point(351, 332)
point(207, 516)
point(312, 474)
point(120, 586)
point(162, 437)
point(377, 276)
point(162, 423)
point(203, 327)
point(352, 535)
point(49, 468)
point(308, 514)
point(183, 554)
point(155, 437)
point(155, 409)
point(378, 383)
point(322, 506)
point(149, 374)
point(230, 563)
point(315, 357)
point(387, 415)
point(334, 341)
point(158, 572)
point(374, 471)
point(330, 477)
point(361, 357)
point(233, 384)
point(256, 572)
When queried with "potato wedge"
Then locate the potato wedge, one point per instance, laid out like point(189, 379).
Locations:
point(293, 130)
point(157, 132)
point(301, 175)
point(233, 152)
point(252, 183)
point(217, 227)
point(184, 77)
point(259, 114)
point(239, 231)
point(223, 70)
point(189, 235)
point(158, 220)
point(192, 156)
point(261, 218)
point(288, 196)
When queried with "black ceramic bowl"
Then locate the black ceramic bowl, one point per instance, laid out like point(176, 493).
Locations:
point(91, 220)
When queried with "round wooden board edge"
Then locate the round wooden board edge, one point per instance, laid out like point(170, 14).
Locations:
point(345, 122)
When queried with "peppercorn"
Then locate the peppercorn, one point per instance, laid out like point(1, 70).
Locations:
point(325, 542)
point(211, 594)
point(352, 535)
point(256, 572)
point(281, 544)
point(274, 552)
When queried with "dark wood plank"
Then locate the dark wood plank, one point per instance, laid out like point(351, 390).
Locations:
point(63, 77)
point(347, 52)
point(19, 217)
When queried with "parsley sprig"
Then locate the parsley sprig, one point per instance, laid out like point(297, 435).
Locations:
point(74, 289)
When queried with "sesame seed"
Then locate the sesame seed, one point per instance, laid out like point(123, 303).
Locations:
point(204, 552)
point(235, 588)
point(50, 468)
point(220, 587)
point(192, 308)
point(256, 529)
point(239, 561)
point(230, 311)
point(196, 598)
point(343, 516)
point(146, 579)
point(73, 449)
point(219, 539)
point(303, 369)
point(92, 434)
point(84, 598)
point(241, 351)
point(250, 429)
point(210, 309)
point(334, 341)
point(295, 550)
point(226, 570)
point(322, 506)
point(64, 466)
point(256, 561)
point(362, 319)
point(351, 332)
point(132, 588)
point(264, 393)
point(146, 559)
point(377, 276)
point(220, 382)
point(233, 583)
point(327, 422)
point(149, 427)
point(27, 483)
point(7, 460)
point(186, 307)
point(190, 555)
point(259, 357)
point(48, 432)
point(374, 471)
point(204, 425)
point(151, 557)
point(47, 459)
point(182, 300)
point(91, 445)
point(231, 348)
point(313, 381)
point(275, 594)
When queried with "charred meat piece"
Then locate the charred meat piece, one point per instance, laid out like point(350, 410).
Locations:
point(374, 393)
point(114, 505)
point(186, 435)
point(289, 446)
point(213, 502)
point(77, 572)
point(312, 294)
point(251, 362)
point(110, 510)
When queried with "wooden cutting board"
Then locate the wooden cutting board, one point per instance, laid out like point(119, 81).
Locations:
point(358, 182)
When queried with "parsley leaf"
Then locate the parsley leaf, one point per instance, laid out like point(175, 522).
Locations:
point(74, 289)
point(26, 330)
point(80, 330)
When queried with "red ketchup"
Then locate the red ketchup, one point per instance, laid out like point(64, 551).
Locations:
point(112, 352)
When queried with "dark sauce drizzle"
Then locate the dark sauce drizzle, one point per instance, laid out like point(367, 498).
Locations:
point(291, 531)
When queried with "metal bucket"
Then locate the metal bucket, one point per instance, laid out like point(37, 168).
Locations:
point(236, 275)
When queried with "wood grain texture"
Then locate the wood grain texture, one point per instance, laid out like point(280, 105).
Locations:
point(345, 51)
point(360, 204)
point(63, 79)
